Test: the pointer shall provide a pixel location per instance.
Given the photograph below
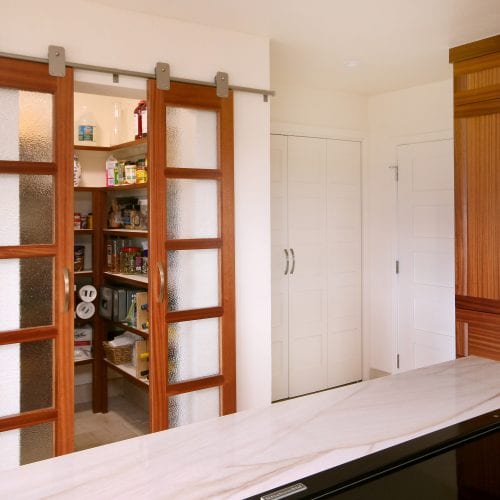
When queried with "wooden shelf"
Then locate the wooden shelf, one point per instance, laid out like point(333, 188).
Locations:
point(126, 187)
point(128, 233)
point(128, 371)
point(83, 231)
point(131, 329)
point(88, 189)
point(140, 280)
point(86, 361)
point(116, 147)
point(85, 273)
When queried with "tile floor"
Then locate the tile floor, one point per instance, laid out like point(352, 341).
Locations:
point(124, 420)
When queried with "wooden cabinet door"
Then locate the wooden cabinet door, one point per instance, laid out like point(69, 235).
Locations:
point(36, 255)
point(192, 297)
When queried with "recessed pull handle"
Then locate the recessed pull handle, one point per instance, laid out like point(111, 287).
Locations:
point(161, 272)
point(293, 261)
point(287, 261)
point(66, 289)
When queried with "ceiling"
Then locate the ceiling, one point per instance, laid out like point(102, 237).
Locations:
point(361, 46)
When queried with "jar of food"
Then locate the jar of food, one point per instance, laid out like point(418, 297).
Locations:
point(130, 173)
point(90, 221)
point(142, 171)
point(127, 259)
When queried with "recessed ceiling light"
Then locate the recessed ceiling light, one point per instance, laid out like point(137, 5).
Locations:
point(352, 63)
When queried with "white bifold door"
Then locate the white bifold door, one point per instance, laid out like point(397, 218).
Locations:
point(316, 264)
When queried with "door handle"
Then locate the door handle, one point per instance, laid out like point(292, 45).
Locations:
point(66, 289)
point(293, 261)
point(287, 261)
point(161, 272)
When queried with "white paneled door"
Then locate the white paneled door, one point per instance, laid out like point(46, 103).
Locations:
point(426, 329)
point(280, 266)
point(344, 261)
point(316, 264)
point(307, 238)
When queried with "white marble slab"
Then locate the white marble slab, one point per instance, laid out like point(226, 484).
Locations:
point(246, 453)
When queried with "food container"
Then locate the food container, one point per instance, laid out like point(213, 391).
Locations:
point(127, 259)
point(77, 220)
point(130, 174)
point(79, 257)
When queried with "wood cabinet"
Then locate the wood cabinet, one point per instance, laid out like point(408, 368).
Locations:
point(476, 69)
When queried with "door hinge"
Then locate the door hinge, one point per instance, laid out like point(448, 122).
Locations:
point(396, 172)
point(397, 267)
point(397, 361)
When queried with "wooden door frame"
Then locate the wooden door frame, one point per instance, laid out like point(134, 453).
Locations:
point(196, 97)
point(35, 77)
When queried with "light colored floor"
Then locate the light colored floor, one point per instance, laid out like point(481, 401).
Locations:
point(124, 420)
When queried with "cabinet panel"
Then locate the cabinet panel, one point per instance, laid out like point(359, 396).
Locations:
point(478, 334)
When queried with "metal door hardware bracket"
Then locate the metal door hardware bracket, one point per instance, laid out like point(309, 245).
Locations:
point(396, 172)
point(162, 72)
point(222, 84)
point(57, 61)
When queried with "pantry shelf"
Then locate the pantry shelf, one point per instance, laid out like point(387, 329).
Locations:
point(127, 187)
point(128, 371)
point(85, 273)
point(140, 280)
point(127, 233)
point(87, 361)
point(131, 329)
point(84, 231)
point(116, 147)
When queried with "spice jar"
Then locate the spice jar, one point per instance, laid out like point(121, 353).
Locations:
point(127, 259)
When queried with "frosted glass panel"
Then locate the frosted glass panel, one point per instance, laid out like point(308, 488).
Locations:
point(26, 126)
point(192, 209)
point(193, 349)
point(191, 138)
point(26, 377)
point(193, 407)
point(27, 445)
point(193, 279)
point(28, 202)
point(26, 292)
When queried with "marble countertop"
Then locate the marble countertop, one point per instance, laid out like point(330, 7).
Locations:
point(249, 452)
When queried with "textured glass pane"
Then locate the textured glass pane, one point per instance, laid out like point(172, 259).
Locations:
point(192, 209)
point(26, 127)
point(26, 377)
point(191, 138)
point(28, 202)
point(193, 407)
point(193, 279)
point(27, 445)
point(193, 349)
point(26, 292)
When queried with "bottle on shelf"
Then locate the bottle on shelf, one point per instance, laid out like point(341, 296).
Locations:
point(86, 127)
point(141, 120)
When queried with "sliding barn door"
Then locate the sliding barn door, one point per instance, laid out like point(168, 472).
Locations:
point(192, 342)
point(36, 255)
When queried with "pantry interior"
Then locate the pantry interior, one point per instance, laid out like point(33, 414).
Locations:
point(111, 263)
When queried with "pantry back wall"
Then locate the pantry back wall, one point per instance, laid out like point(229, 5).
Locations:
point(98, 35)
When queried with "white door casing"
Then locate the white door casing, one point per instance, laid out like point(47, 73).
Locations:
point(426, 281)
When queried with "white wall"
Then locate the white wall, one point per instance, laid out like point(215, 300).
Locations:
point(310, 109)
point(99, 35)
point(406, 116)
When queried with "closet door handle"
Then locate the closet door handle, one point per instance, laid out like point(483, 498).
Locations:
point(287, 261)
point(161, 272)
point(66, 289)
point(293, 261)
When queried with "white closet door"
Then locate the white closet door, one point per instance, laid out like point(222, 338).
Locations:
point(308, 281)
point(279, 284)
point(426, 332)
point(344, 262)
